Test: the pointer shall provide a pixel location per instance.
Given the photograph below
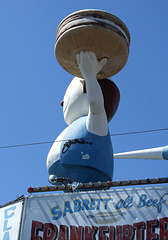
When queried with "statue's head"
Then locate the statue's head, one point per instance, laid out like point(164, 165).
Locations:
point(75, 103)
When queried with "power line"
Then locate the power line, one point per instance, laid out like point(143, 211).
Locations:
point(144, 131)
point(112, 135)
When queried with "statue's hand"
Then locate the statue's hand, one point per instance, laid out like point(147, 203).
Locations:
point(89, 64)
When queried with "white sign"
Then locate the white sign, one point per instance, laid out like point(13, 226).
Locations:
point(10, 221)
point(117, 214)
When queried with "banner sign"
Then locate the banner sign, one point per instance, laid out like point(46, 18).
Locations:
point(10, 221)
point(134, 213)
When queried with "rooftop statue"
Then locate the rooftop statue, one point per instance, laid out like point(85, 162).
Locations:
point(83, 151)
point(92, 45)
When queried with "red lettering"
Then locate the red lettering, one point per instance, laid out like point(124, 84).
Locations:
point(63, 233)
point(150, 230)
point(102, 232)
point(50, 231)
point(111, 233)
point(127, 232)
point(90, 233)
point(118, 232)
point(76, 233)
point(36, 227)
point(163, 222)
point(139, 227)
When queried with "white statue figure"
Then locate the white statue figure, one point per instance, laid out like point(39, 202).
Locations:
point(83, 151)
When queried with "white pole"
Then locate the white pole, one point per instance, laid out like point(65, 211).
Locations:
point(152, 153)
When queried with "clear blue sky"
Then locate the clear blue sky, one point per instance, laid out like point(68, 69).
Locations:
point(32, 84)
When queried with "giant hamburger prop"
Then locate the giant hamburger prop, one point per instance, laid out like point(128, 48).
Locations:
point(92, 30)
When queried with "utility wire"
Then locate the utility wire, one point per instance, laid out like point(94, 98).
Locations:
point(144, 131)
point(112, 135)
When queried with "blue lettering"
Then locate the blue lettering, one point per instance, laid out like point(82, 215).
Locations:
point(67, 208)
point(149, 203)
point(6, 236)
point(106, 200)
point(6, 228)
point(98, 203)
point(159, 205)
point(77, 205)
point(119, 205)
point(86, 204)
point(154, 203)
point(92, 204)
point(127, 203)
point(142, 201)
point(7, 213)
point(56, 213)
point(80, 205)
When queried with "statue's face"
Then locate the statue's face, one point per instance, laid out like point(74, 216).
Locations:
point(75, 103)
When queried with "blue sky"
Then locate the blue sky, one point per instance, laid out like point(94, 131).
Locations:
point(32, 84)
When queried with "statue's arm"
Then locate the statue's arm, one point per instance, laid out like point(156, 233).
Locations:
point(89, 67)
